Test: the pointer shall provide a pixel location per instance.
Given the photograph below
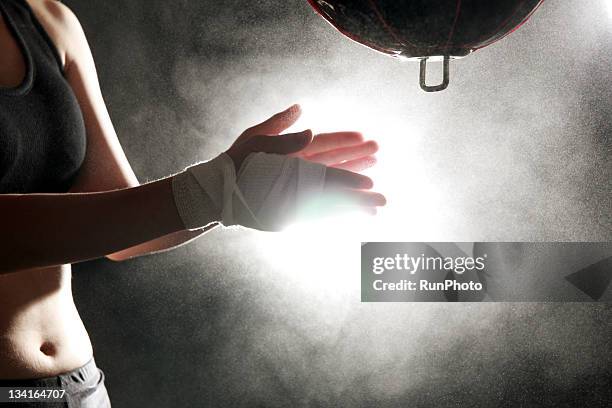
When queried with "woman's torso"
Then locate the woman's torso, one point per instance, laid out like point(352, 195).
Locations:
point(41, 333)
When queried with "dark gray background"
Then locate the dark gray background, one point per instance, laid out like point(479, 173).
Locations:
point(517, 149)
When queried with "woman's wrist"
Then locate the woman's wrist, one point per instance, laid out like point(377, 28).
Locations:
point(199, 191)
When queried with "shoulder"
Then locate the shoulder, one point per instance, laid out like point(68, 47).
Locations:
point(63, 28)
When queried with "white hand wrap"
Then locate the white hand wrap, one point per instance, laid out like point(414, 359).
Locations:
point(268, 192)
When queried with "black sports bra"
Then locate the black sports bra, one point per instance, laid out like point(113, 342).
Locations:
point(42, 134)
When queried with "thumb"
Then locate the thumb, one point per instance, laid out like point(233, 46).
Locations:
point(283, 144)
point(277, 123)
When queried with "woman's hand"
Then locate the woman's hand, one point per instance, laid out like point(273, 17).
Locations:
point(343, 152)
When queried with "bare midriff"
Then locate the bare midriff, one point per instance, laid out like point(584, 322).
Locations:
point(41, 332)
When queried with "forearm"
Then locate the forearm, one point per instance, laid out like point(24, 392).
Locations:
point(51, 229)
point(157, 245)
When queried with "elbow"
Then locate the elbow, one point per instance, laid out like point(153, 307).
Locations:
point(125, 254)
point(117, 257)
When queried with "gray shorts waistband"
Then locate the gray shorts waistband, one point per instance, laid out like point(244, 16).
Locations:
point(87, 373)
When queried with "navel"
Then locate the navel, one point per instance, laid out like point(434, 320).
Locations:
point(48, 348)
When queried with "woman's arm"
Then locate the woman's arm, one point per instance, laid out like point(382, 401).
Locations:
point(41, 230)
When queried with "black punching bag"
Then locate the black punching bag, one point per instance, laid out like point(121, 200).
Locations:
point(423, 29)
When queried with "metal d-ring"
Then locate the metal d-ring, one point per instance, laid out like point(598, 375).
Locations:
point(423, 76)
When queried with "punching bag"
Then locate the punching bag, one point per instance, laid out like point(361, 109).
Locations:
point(426, 29)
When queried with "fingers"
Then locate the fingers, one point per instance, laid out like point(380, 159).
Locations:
point(284, 144)
point(331, 141)
point(358, 164)
point(339, 178)
point(275, 124)
point(336, 201)
point(341, 155)
point(359, 198)
point(346, 189)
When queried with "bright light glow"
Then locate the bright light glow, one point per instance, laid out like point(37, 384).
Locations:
point(320, 257)
point(325, 256)
point(608, 5)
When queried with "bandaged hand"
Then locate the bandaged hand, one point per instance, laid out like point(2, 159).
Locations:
point(265, 181)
